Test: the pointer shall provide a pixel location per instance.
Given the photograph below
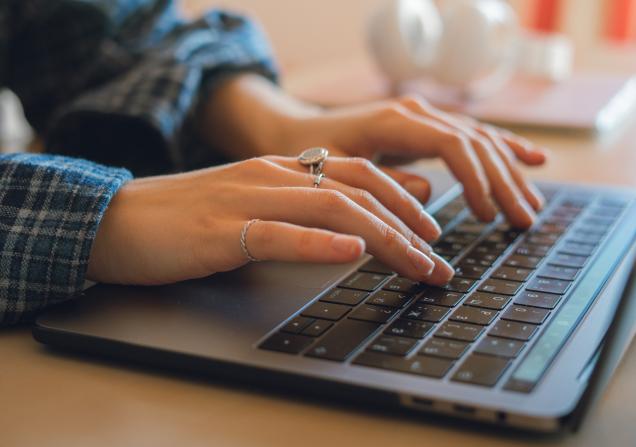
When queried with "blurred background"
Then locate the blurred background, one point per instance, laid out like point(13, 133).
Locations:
point(312, 37)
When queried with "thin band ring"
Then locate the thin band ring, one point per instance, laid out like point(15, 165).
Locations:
point(246, 252)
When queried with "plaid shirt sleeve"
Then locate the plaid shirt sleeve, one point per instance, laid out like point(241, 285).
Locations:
point(50, 207)
point(119, 81)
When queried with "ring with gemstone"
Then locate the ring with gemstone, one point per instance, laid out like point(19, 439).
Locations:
point(315, 158)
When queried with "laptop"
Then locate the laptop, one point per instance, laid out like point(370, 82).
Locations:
point(525, 336)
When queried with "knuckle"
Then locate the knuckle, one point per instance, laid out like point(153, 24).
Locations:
point(390, 235)
point(365, 198)
point(257, 163)
point(412, 100)
point(362, 165)
point(332, 199)
point(391, 110)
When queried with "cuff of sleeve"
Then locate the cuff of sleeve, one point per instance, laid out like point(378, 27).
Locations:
point(52, 207)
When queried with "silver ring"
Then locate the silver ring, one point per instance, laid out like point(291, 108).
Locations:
point(317, 179)
point(314, 158)
point(246, 227)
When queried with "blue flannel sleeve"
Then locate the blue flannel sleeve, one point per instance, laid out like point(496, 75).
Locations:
point(148, 74)
point(50, 208)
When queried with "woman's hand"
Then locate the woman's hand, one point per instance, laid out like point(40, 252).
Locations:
point(252, 114)
point(171, 228)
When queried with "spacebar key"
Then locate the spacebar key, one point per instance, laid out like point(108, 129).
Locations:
point(342, 340)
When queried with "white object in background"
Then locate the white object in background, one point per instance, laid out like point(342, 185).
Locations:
point(15, 133)
point(469, 44)
point(546, 56)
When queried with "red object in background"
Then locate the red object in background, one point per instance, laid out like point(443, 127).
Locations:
point(545, 16)
point(620, 20)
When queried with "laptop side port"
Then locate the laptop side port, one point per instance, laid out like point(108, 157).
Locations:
point(464, 409)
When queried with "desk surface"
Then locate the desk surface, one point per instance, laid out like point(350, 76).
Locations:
point(55, 399)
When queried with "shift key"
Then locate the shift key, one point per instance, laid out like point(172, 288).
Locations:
point(342, 340)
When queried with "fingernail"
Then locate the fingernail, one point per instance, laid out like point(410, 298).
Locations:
point(417, 188)
point(349, 245)
point(420, 261)
point(436, 231)
point(447, 270)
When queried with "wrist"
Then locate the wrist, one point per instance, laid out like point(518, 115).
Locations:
point(250, 116)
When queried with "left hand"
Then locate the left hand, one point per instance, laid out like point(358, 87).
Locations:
point(258, 115)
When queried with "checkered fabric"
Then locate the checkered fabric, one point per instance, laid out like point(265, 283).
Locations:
point(114, 81)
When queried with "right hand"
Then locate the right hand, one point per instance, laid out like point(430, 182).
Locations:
point(160, 230)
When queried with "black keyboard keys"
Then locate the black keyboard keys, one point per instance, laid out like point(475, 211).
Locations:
point(296, 325)
point(440, 297)
point(409, 328)
point(487, 300)
point(289, 343)
point(420, 365)
point(441, 347)
point(500, 287)
point(548, 285)
point(538, 299)
point(474, 315)
point(512, 273)
point(388, 344)
point(403, 285)
point(513, 329)
point(375, 266)
point(326, 311)
point(499, 347)
point(558, 272)
point(425, 312)
point(317, 328)
point(363, 281)
point(460, 285)
point(567, 260)
point(459, 331)
point(481, 370)
point(376, 314)
point(389, 299)
point(342, 340)
point(526, 262)
point(525, 314)
point(470, 271)
point(345, 296)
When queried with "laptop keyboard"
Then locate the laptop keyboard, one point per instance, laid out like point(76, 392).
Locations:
point(508, 286)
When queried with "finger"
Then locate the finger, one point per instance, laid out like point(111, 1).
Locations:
point(503, 186)
point(280, 241)
point(373, 190)
point(334, 211)
point(419, 187)
point(529, 191)
point(523, 149)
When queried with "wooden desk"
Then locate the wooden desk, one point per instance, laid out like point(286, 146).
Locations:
point(53, 399)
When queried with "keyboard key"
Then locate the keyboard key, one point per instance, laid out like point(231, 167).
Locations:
point(551, 228)
point(289, 343)
point(441, 297)
point(389, 299)
point(577, 248)
point(375, 266)
point(471, 259)
point(441, 347)
point(548, 285)
point(541, 239)
point(376, 314)
point(425, 312)
point(584, 237)
point(363, 281)
point(500, 287)
point(420, 365)
point(474, 315)
point(326, 311)
point(525, 314)
point(459, 331)
point(403, 285)
point(487, 300)
point(512, 273)
point(388, 344)
point(471, 228)
point(470, 271)
point(499, 347)
point(446, 248)
point(532, 250)
point(409, 328)
point(512, 329)
point(461, 285)
point(538, 299)
point(456, 237)
point(526, 262)
point(345, 296)
point(317, 328)
point(558, 272)
point(481, 370)
point(568, 260)
point(296, 325)
point(342, 340)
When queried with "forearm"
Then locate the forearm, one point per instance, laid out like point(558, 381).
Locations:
point(249, 116)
